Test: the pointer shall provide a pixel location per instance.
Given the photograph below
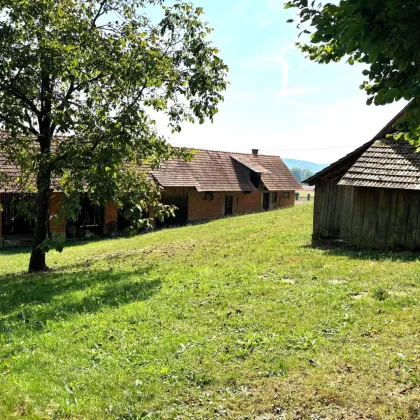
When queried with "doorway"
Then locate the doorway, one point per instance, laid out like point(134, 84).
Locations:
point(181, 212)
point(266, 201)
point(228, 205)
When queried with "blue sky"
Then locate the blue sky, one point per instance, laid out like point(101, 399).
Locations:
point(277, 100)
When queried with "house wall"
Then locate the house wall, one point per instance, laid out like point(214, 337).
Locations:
point(248, 203)
point(200, 209)
point(284, 201)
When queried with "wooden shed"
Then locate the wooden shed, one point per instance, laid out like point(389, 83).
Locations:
point(371, 197)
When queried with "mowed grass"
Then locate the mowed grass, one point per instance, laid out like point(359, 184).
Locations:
point(238, 318)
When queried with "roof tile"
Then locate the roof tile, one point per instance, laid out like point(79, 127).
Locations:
point(386, 164)
point(223, 171)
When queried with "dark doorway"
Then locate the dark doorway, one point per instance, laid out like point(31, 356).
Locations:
point(90, 218)
point(266, 201)
point(122, 221)
point(228, 205)
point(181, 212)
point(17, 212)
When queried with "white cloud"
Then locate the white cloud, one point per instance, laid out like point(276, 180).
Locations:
point(285, 90)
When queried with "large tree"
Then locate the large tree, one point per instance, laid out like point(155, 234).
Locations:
point(80, 82)
point(384, 35)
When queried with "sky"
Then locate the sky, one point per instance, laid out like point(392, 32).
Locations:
point(278, 101)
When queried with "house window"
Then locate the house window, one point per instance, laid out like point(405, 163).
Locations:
point(228, 205)
point(209, 196)
point(274, 198)
point(286, 194)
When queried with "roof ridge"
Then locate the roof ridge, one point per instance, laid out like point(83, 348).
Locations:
point(231, 153)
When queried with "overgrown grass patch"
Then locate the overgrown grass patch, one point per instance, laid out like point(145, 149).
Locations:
point(236, 318)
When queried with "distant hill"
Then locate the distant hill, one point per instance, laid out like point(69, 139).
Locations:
point(295, 163)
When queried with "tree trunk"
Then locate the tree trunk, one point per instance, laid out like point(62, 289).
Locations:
point(37, 261)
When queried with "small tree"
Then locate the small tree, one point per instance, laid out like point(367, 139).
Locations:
point(307, 173)
point(78, 82)
point(382, 34)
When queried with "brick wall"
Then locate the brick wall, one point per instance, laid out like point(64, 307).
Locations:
point(57, 225)
point(200, 209)
point(286, 202)
point(249, 203)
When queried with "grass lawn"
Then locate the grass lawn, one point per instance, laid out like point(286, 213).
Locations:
point(238, 318)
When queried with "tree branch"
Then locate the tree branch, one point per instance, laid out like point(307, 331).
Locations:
point(15, 92)
point(99, 13)
point(17, 124)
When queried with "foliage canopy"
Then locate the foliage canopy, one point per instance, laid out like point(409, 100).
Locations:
point(80, 84)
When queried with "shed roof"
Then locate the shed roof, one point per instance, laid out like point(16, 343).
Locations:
point(223, 171)
point(386, 164)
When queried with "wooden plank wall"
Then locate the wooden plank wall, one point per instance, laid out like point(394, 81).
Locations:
point(372, 218)
point(332, 215)
point(385, 219)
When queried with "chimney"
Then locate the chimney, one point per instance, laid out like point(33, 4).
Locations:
point(255, 152)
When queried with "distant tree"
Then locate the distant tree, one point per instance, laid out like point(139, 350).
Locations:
point(307, 173)
point(382, 34)
point(301, 174)
point(297, 172)
point(78, 82)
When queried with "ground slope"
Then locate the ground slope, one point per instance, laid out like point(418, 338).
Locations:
point(237, 318)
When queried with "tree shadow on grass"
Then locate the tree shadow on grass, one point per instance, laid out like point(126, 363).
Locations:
point(25, 249)
point(17, 250)
point(344, 249)
point(31, 301)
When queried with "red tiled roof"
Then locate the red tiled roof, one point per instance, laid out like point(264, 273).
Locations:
point(208, 171)
point(10, 172)
point(224, 171)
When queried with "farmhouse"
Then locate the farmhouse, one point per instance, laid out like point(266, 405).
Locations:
point(214, 184)
point(371, 197)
